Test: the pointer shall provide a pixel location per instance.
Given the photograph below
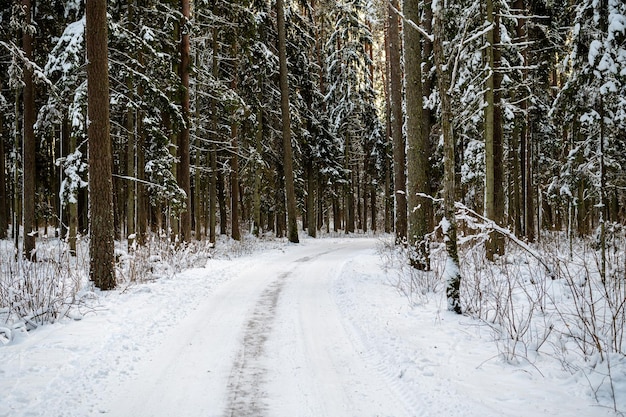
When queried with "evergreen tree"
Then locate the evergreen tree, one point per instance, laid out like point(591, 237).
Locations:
point(350, 97)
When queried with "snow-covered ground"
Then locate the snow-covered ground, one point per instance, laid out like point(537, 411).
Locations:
point(309, 330)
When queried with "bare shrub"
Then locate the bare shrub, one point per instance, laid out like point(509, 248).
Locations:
point(37, 293)
point(162, 257)
point(413, 283)
point(564, 297)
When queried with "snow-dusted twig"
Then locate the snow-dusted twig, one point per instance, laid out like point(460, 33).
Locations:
point(411, 23)
point(38, 72)
point(126, 177)
point(491, 225)
point(477, 35)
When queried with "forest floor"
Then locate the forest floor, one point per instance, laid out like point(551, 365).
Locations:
point(316, 329)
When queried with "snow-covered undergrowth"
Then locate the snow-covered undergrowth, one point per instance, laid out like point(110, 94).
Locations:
point(568, 313)
point(57, 286)
point(36, 293)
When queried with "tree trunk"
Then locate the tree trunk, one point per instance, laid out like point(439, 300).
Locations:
point(256, 209)
point(514, 212)
point(17, 197)
point(373, 208)
point(234, 159)
point(213, 148)
point(130, 172)
point(284, 106)
point(29, 148)
point(494, 197)
point(498, 141)
point(234, 184)
point(221, 196)
point(452, 272)
point(349, 188)
point(528, 200)
point(359, 207)
point(418, 149)
point(529, 195)
point(72, 206)
point(4, 200)
point(399, 152)
point(602, 207)
point(119, 196)
point(184, 174)
point(198, 198)
point(427, 113)
point(101, 244)
point(365, 196)
point(310, 206)
point(388, 144)
point(516, 152)
point(213, 195)
point(142, 202)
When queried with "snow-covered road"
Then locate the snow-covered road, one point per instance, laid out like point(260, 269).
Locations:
point(270, 342)
point(310, 330)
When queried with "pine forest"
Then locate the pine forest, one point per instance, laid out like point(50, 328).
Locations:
point(473, 137)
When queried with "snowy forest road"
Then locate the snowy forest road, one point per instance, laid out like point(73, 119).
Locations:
point(270, 342)
point(317, 329)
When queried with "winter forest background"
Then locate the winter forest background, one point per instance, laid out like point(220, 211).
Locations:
point(494, 125)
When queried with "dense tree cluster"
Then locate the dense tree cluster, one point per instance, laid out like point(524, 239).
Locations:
point(258, 115)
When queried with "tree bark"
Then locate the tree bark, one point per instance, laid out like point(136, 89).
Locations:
point(388, 166)
point(310, 206)
point(184, 174)
point(143, 207)
point(399, 152)
point(71, 206)
point(284, 106)
point(418, 143)
point(494, 197)
point(234, 160)
point(213, 194)
point(427, 113)
point(213, 147)
point(29, 147)
point(221, 197)
point(130, 173)
point(101, 244)
point(142, 204)
point(498, 140)
point(349, 188)
point(528, 200)
point(4, 200)
point(452, 272)
point(234, 185)
point(256, 209)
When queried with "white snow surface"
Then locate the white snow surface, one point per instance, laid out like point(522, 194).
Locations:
point(308, 330)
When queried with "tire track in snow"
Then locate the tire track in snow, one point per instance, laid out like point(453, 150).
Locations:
point(385, 362)
point(246, 396)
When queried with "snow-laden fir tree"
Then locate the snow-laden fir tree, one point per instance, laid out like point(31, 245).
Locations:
point(349, 96)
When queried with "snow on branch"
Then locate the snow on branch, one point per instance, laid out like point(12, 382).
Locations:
point(489, 224)
point(479, 34)
point(140, 181)
point(411, 23)
point(38, 73)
